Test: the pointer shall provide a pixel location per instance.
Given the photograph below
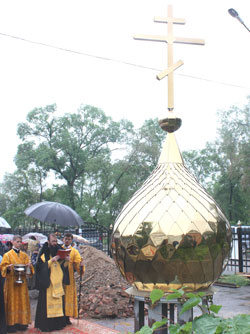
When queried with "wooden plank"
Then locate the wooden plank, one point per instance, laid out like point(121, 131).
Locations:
point(195, 41)
point(169, 69)
point(170, 61)
point(227, 285)
point(246, 275)
point(169, 19)
point(155, 38)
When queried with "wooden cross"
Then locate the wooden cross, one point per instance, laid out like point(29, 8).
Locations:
point(170, 39)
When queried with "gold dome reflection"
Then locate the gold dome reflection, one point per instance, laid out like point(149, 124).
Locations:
point(171, 233)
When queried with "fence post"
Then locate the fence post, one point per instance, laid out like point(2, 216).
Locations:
point(239, 233)
point(109, 239)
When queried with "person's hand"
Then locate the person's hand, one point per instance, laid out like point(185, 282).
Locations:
point(10, 266)
point(55, 258)
point(81, 264)
point(67, 258)
point(28, 265)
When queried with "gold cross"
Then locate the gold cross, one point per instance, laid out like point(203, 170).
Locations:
point(170, 39)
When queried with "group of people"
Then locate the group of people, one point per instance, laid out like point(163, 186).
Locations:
point(57, 299)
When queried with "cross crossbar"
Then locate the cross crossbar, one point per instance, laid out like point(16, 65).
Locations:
point(170, 39)
point(169, 19)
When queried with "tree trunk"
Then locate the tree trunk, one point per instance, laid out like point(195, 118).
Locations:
point(230, 202)
point(71, 195)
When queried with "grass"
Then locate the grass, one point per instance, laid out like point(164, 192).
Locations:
point(234, 279)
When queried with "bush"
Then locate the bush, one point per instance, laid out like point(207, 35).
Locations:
point(207, 323)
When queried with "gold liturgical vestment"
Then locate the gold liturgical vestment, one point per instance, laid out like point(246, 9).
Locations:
point(55, 291)
point(16, 297)
point(70, 290)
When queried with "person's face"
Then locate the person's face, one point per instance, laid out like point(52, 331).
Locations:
point(52, 241)
point(67, 241)
point(17, 243)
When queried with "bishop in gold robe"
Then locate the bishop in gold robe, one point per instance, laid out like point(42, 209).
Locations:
point(16, 296)
point(75, 264)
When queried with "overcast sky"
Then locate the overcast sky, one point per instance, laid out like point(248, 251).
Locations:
point(105, 67)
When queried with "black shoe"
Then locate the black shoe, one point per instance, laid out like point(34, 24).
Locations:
point(22, 327)
point(67, 321)
point(11, 329)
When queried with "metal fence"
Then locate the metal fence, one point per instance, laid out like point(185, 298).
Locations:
point(240, 255)
point(95, 235)
point(98, 236)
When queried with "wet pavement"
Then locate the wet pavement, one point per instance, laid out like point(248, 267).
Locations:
point(233, 300)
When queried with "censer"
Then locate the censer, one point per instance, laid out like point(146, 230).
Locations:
point(171, 233)
point(20, 270)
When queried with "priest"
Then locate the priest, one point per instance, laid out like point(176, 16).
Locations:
point(75, 264)
point(16, 296)
point(52, 275)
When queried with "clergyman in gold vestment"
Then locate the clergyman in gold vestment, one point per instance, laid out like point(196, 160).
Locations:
point(75, 264)
point(16, 296)
point(51, 276)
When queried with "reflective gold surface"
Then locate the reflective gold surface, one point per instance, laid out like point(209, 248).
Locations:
point(171, 233)
point(170, 124)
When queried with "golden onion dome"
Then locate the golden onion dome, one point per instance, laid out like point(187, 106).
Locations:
point(171, 233)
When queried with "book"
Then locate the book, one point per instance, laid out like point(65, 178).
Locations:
point(63, 253)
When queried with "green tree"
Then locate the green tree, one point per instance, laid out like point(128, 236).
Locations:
point(112, 181)
point(68, 145)
point(145, 150)
point(97, 163)
point(223, 166)
point(18, 191)
point(203, 164)
point(232, 186)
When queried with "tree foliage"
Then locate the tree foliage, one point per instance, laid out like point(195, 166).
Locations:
point(18, 190)
point(69, 145)
point(223, 166)
point(94, 164)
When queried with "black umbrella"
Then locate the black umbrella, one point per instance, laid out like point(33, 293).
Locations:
point(54, 213)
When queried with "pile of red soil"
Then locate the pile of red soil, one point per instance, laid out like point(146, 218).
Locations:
point(103, 287)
